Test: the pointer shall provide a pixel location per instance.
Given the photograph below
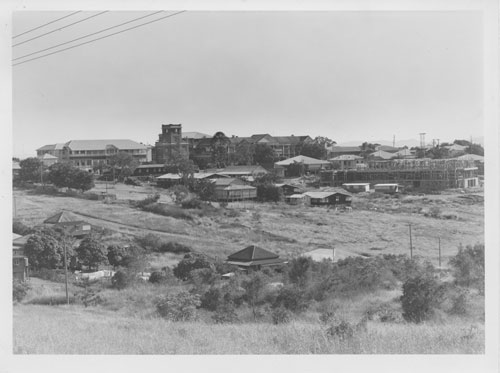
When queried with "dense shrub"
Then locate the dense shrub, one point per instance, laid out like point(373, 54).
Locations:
point(190, 262)
point(19, 290)
point(147, 201)
point(173, 247)
point(45, 249)
point(225, 313)
point(192, 203)
point(150, 242)
point(124, 256)
point(468, 266)
point(421, 296)
point(299, 271)
point(91, 252)
point(291, 298)
point(203, 277)
point(268, 193)
point(178, 307)
point(343, 330)
point(158, 277)
point(121, 279)
point(18, 227)
point(211, 299)
point(280, 315)
point(254, 285)
point(168, 210)
point(178, 193)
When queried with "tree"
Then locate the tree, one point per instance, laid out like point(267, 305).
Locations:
point(190, 262)
point(421, 295)
point(324, 141)
point(205, 189)
point(65, 175)
point(468, 266)
point(124, 162)
point(267, 192)
point(264, 154)
point(295, 169)
point(254, 287)
point(45, 248)
point(367, 148)
point(476, 149)
point(91, 252)
point(219, 146)
point(31, 170)
point(244, 154)
point(122, 256)
point(179, 307)
point(313, 150)
point(299, 271)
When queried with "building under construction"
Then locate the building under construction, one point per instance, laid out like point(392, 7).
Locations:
point(425, 174)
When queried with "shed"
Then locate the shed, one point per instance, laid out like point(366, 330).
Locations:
point(289, 189)
point(295, 199)
point(254, 257)
point(387, 188)
point(329, 198)
point(356, 187)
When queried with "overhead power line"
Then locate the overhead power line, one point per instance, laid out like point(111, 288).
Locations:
point(46, 24)
point(60, 28)
point(102, 37)
point(86, 36)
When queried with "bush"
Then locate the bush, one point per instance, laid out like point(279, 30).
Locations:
point(179, 307)
point(280, 315)
point(174, 247)
point(150, 242)
point(121, 256)
point(121, 280)
point(158, 277)
point(190, 262)
point(291, 298)
point(147, 201)
point(203, 277)
point(18, 227)
point(211, 299)
point(225, 313)
point(421, 296)
point(166, 210)
point(343, 330)
point(192, 203)
point(468, 266)
point(19, 291)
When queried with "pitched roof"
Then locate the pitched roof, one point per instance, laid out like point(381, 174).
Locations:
point(169, 177)
point(301, 159)
point(346, 157)
point(471, 157)
point(121, 144)
point(326, 193)
point(48, 156)
point(344, 149)
point(252, 253)
point(63, 217)
point(57, 146)
point(243, 170)
point(387, 148)
point(381, 154)
point(403, 153)
point(227, 181)
point(194, 135)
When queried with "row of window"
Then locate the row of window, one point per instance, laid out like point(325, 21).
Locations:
point(109, 151)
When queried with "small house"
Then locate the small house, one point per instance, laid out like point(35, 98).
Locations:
point(328, 198)
point(254, 257)
point(289, 189)
point(168, 180)
point(295, 199)
point(356, 187)
point(387, 188)
point(347, 162)
point(231, 189)
point(71, 223)
point(20, 268)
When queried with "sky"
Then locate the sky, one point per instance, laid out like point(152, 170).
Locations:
point(350, 76)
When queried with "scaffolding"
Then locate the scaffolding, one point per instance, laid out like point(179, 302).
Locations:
point(428, 174)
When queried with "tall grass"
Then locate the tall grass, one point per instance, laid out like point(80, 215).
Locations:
point(44, 330)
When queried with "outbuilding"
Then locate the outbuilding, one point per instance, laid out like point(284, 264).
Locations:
point(356, 187)
point(232, 189)
point(254, 257)
point(328, 198)
point(387, 188)
point(71, 223)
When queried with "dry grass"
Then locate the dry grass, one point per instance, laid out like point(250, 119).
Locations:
point(72, 330)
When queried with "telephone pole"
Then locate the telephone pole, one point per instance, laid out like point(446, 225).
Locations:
point(411, 246)
point(439, 250)
point(66, 271)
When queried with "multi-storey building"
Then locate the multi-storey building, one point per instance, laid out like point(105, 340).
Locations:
point(170, 144)
point(87, 154)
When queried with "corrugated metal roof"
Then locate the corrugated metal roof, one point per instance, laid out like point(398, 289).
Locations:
point(169, 177)
point(120, 144)
point(48, 156)
point(63, 217)
point(194, 135)
point(381, 154)
point(301, 159)
point(58, 146)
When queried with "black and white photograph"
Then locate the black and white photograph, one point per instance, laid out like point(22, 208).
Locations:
point(253, 181)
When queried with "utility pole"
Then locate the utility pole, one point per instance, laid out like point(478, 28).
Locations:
point(66, 271)
point(411, 246)
point(439, 248)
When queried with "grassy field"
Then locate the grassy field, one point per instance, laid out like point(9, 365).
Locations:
point(76, 330)
point(126, 322)
point(376, 225)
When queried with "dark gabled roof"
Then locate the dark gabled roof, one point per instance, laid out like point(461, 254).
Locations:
point(345, 149)
point(63, 217)
point(251, 263)
point(252, 253)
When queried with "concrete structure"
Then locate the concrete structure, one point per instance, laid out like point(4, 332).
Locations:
point(420, 174)
point(356, 187)
point(170, 145)
point(254, 257)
